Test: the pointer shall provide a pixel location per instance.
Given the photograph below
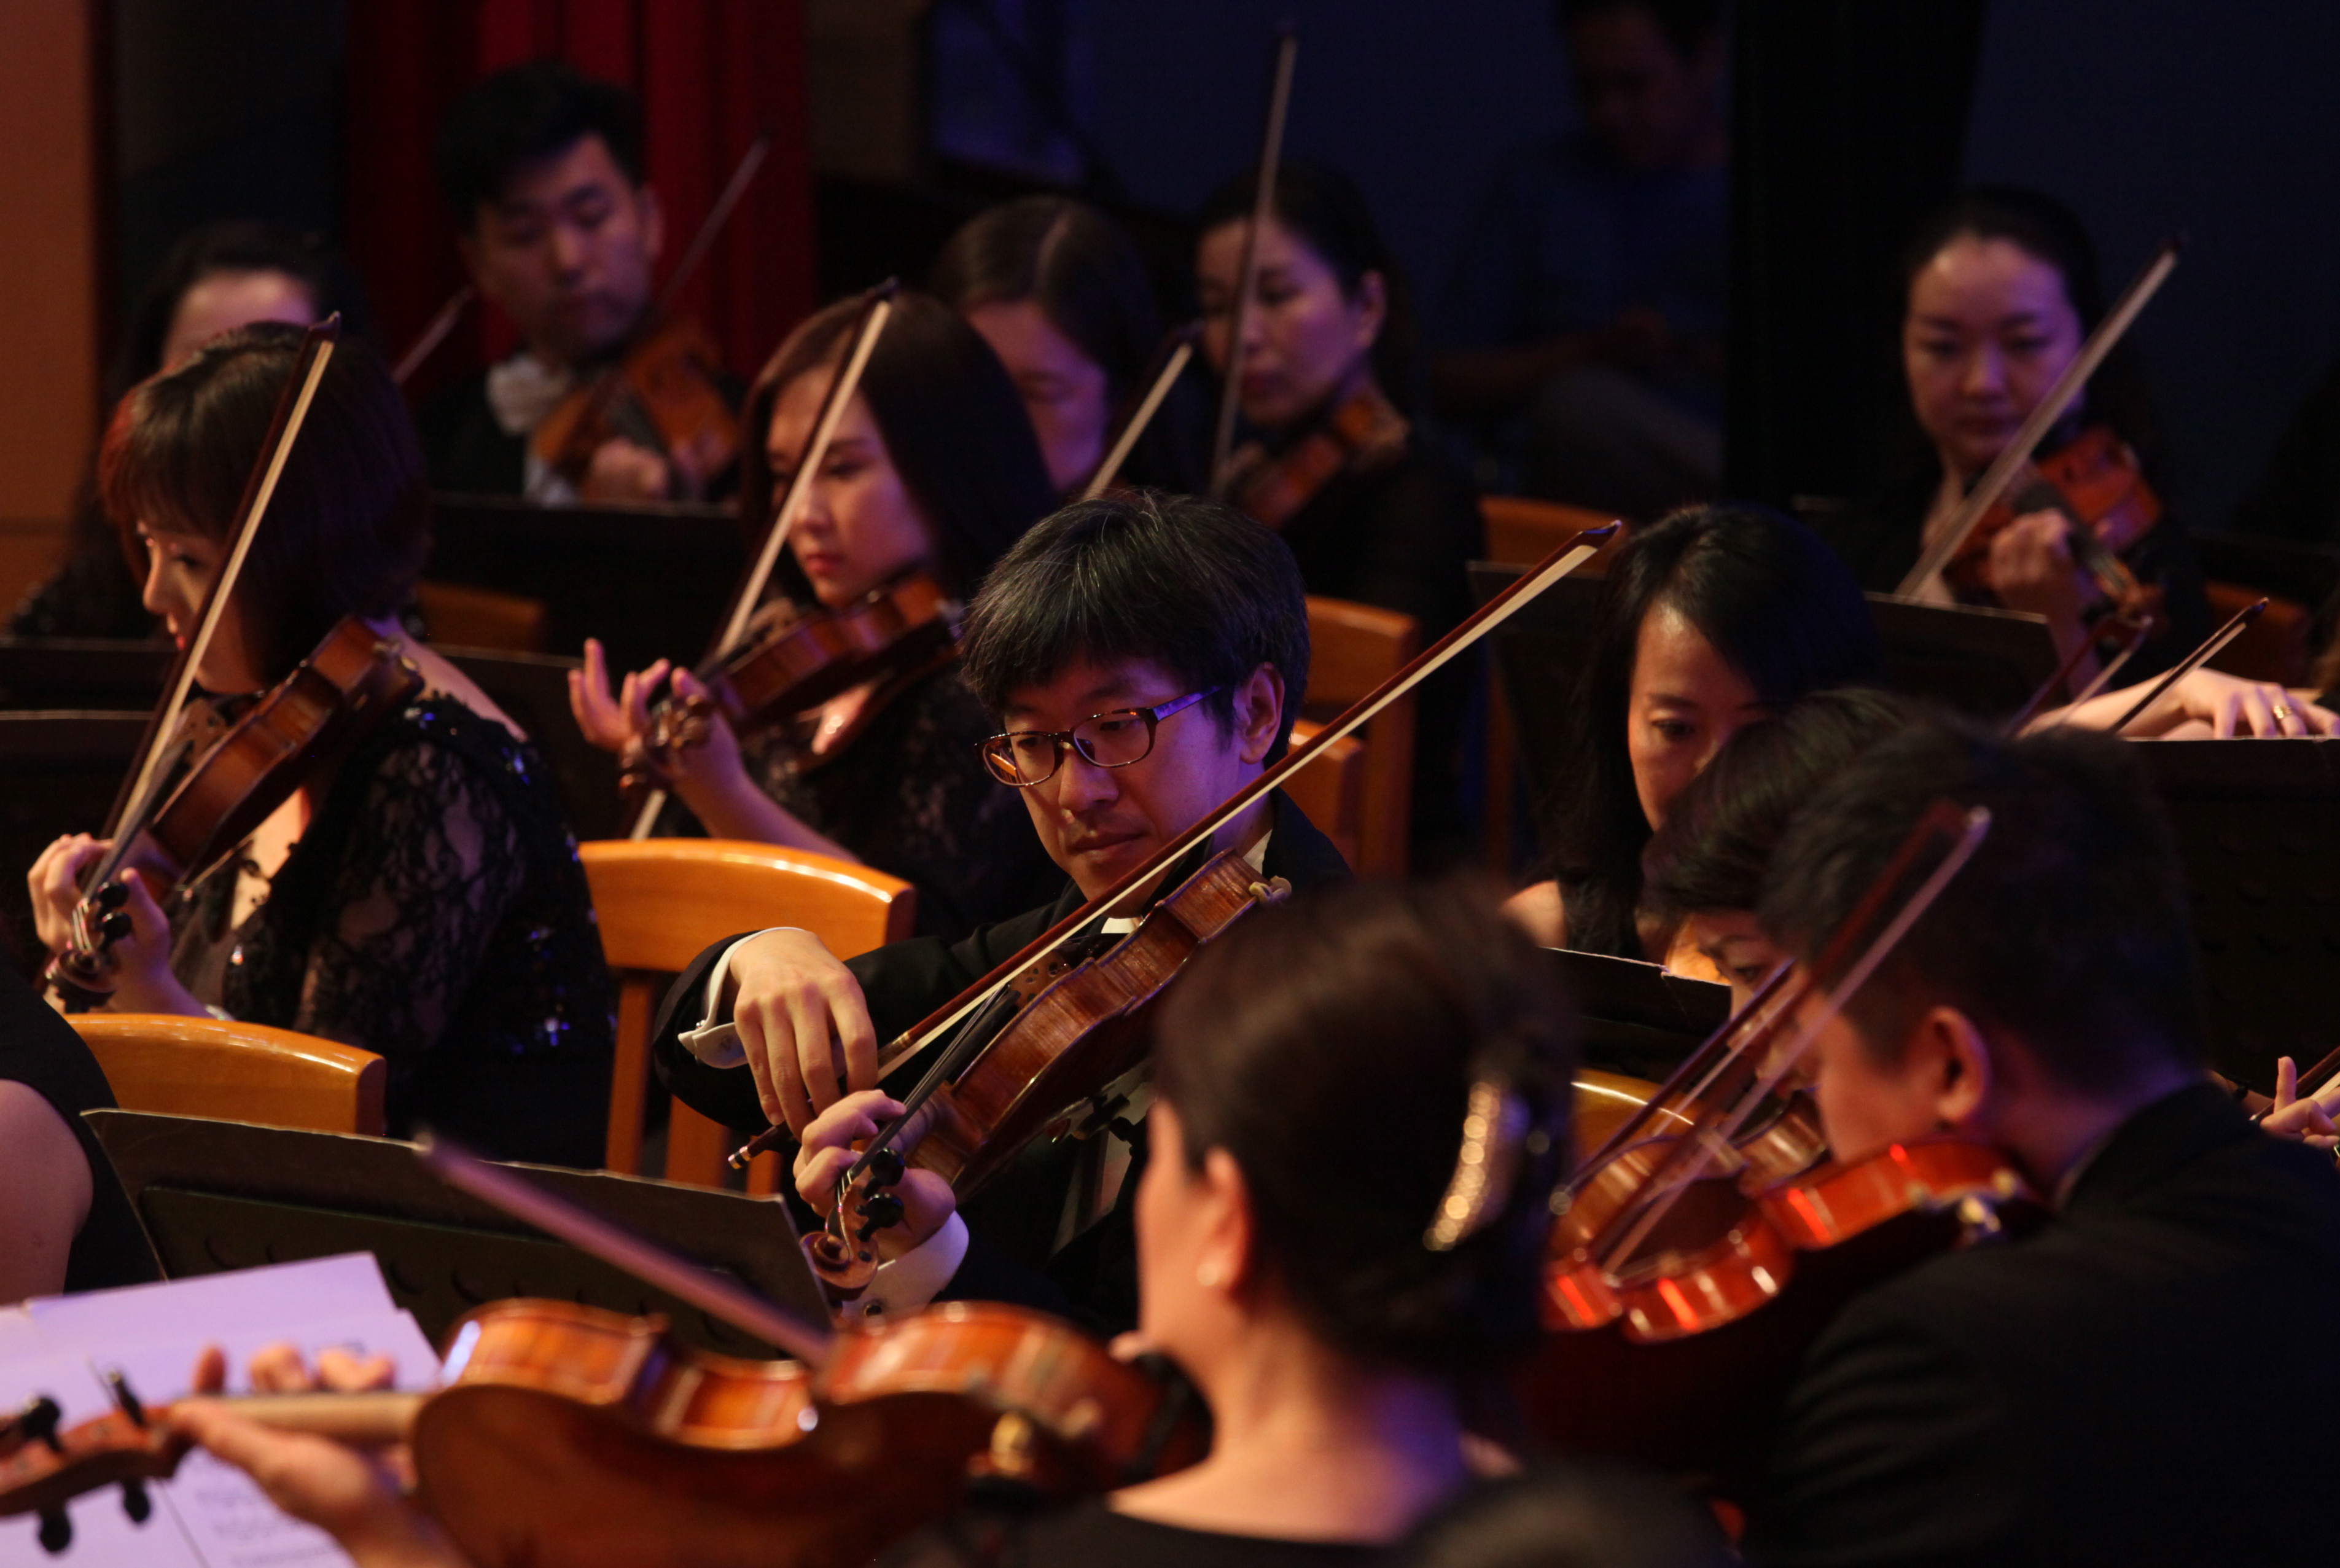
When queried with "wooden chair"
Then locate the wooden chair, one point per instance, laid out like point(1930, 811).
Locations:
point(481, 617)
point(1331, 790)
point(1521, 532)
point(1354, 648)
point(236, 1072)
point(661, 902)
point(2273, 648)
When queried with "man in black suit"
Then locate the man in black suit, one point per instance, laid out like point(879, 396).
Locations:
point(2118, 1386)
point(1145, 658)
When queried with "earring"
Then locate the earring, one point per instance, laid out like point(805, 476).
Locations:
point(1209, 1275)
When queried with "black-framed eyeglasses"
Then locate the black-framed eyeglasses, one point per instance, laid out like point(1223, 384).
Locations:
point(1024, 757)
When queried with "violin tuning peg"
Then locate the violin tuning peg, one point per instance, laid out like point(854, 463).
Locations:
point(115, 926)
point(113, 896)
point(137, 1502)
point(880, 1213)
point(56, 1530)
point(38, 1423)
point(886, 1168)
point(124, 1396)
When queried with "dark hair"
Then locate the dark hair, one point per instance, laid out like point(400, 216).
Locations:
point(1329, 1046)
point(349, 526)
point(1720, 832)
point(1072, 262)
point(2047, 231)
point(1774, 600)
point(1324, 208)
point(1689, 25)
point(231, 247)
point(1191, 584)
point(2070, 929)
point(525, 112)
point(952, 426)
point(1552, 1517)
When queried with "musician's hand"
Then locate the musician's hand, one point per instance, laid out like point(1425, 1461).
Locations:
point(826, 1155)
point(622, 472)
point(142, 981)
point(803, 1025)
point(2307, 1120)
point(357, 1498)
point(2231, 708)
point(55, 883)
point(611, 720)
point(708, 773)
point(2031, 569)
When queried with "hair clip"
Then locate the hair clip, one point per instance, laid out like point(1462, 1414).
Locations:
point(1484, 1169)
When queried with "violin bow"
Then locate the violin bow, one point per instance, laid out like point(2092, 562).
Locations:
point(1170, 361)
point(292, 412)
point(2044, 416)
point(427, 341)
point(1263, 207)
point(614, 1245)
point(1695, 1153)
point(2140, 627)
point(876, 309)
point(2193, 661)
point(1572, 554)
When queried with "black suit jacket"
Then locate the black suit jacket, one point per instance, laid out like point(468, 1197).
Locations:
point(2140, 1382)
point(1013, 1223)
point(468, 453)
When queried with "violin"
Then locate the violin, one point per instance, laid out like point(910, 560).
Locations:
point(566, 1434)
point(1685, 1274)
point(1365, 427)
point(665, 391)
point(209, 773)
point(794, 660)
point(2094, 482)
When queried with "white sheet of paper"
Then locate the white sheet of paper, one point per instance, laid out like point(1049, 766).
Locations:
point(218, 1306)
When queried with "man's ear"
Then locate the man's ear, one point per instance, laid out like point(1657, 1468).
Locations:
point(1957, 1060)
point(1259, 713)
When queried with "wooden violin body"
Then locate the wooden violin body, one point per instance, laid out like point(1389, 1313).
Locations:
point(795, 660)
point(2094, 479)
point(1272, 490)
point(241, 769)
point(567, 1434)
point(665, 394)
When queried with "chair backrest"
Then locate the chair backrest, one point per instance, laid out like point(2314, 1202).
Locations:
point(1351, 649)
point(1523, 530)
point(661, 902)
point(1331, 790)
point(232, 1071)
point(472, 616)
point(2273, 648)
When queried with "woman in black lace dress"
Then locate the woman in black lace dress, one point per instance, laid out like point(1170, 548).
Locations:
point(933, 466)
point(422, 898)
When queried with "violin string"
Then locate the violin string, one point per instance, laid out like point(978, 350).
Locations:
point(2043, 418)
point(1564, 559)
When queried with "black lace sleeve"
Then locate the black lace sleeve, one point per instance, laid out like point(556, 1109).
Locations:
point(430, 862)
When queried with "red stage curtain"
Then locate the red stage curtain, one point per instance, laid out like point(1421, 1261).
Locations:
point(710, 74)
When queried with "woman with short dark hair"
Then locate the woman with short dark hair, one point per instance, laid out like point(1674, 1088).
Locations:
point(1709, 620)
point(421, 897)
point(933, 468)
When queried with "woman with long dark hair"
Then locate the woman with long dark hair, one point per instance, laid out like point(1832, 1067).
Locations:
point(421, 897)
point(1373, 511)
point(934, 468)
point(1710, 619)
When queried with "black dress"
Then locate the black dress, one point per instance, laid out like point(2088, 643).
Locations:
point(1090, 1534)
point(1399, 534)
point(435, 913)
point(40, 1050)
point(911, 797)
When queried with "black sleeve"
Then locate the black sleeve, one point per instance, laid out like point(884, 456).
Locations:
point(902, 982)
point(1893, 1450)
point(2298, 495)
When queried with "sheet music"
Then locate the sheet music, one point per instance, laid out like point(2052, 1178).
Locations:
point(211, 1515)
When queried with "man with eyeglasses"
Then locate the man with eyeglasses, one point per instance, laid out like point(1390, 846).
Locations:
point(1145, 657)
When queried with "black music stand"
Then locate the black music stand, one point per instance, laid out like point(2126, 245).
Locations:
point(650, 581)
point(2259, 825)
point(1636, 1018)
point(216, 1196)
